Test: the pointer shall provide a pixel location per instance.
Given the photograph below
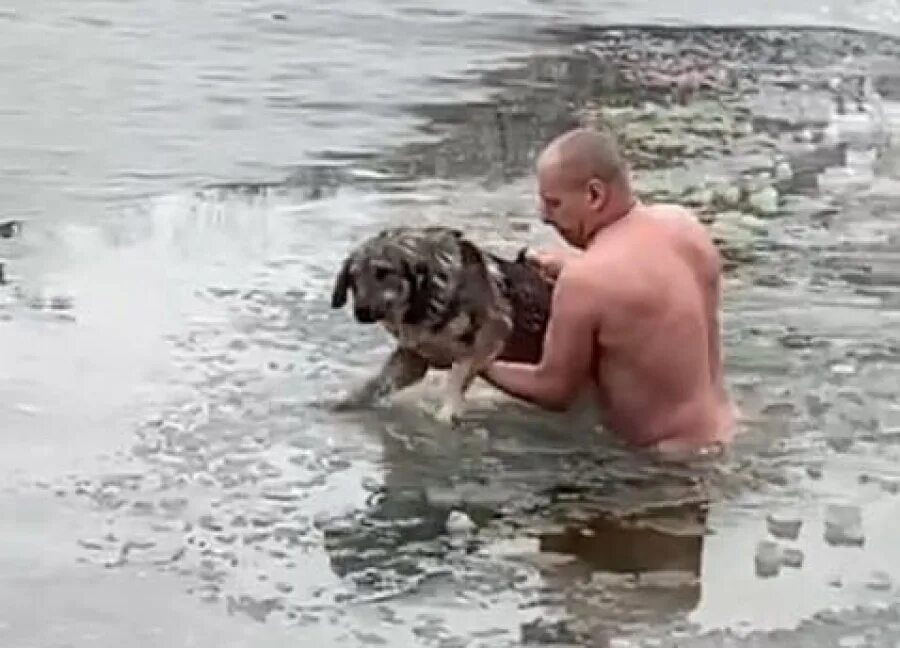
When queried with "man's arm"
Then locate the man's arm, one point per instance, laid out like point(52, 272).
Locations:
point(557, 379)
point(551, 262)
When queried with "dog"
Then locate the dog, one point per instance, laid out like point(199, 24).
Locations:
point(448, 304)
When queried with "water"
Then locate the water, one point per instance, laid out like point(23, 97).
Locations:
point(164, 479)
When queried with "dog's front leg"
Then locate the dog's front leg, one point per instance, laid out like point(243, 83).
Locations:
point(402, 369)
point(487, 346)
point(458, 381)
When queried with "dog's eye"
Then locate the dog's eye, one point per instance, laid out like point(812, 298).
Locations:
point(381, 274)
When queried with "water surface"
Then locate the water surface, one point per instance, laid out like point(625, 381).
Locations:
point(165, 480)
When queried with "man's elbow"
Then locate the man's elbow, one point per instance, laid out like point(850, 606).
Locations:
point(557, 398)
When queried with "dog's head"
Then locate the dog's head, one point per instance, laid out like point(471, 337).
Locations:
point(385, 279)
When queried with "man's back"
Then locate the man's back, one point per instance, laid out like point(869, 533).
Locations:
point(658, 368)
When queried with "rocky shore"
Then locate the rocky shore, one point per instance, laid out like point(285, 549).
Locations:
point(744, 125)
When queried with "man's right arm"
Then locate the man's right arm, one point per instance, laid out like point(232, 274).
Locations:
point(569, 348)
point(551, 262)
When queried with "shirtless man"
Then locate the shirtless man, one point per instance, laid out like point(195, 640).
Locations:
point(635, 308)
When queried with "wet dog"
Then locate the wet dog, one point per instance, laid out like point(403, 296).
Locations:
point(449, 305)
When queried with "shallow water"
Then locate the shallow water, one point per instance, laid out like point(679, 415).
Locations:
point(165, 477)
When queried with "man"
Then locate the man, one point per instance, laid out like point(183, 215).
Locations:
point(635, 309)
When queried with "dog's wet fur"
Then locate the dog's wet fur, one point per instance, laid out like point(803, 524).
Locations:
point(448, 303)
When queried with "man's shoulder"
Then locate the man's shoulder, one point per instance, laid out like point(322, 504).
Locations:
point(591, 276)
point(673, 210)
point(686, 228)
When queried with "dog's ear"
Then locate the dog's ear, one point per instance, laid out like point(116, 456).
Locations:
point(472, 256)
point(341, 285)
point(418, 276)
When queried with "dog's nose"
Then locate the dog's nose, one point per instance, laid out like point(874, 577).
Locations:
point(364, 314)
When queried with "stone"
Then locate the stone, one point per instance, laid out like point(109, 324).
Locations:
point(890, 485)
point(459, 523)
point(767, 559)
point(784, 527)
point(880, 581)
point(764, 201)
point(792, 557)
point(844, 526)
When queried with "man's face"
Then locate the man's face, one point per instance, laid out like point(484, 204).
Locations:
point(566, 206)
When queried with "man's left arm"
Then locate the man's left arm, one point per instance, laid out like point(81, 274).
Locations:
point(569, 348)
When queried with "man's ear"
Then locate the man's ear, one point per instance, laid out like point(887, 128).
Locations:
point(597, 193)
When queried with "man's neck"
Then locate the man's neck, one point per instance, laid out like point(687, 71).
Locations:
point(617, 216)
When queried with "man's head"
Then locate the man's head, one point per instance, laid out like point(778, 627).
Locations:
point(583, 184)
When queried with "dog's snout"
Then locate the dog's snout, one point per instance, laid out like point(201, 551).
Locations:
point(364, 314)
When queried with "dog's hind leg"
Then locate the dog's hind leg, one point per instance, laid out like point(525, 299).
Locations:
point(402, 369)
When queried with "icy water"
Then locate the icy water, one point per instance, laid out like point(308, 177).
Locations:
point(189, 177)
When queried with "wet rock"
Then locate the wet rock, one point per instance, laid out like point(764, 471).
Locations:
point(844, 526)
point(840, 441)
point(764, 201)
point(540, 631)
point(458, 523)
point(209, 523)
point(726, 197)
point(797, 341)
point(891, 485)
point(729, 230)
point(256, 609)
point(10, 228)
point(767, 559)
point(809, 160)
point(814, 471)
point(792, 557)
point(783, 526)
point(880, 581)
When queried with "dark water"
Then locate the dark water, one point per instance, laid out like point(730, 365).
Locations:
point(189, 179)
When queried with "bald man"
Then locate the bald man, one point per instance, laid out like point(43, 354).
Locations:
point(635, 314)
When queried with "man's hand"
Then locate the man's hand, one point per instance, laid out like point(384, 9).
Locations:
point(569, 346)
point(550, 262)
